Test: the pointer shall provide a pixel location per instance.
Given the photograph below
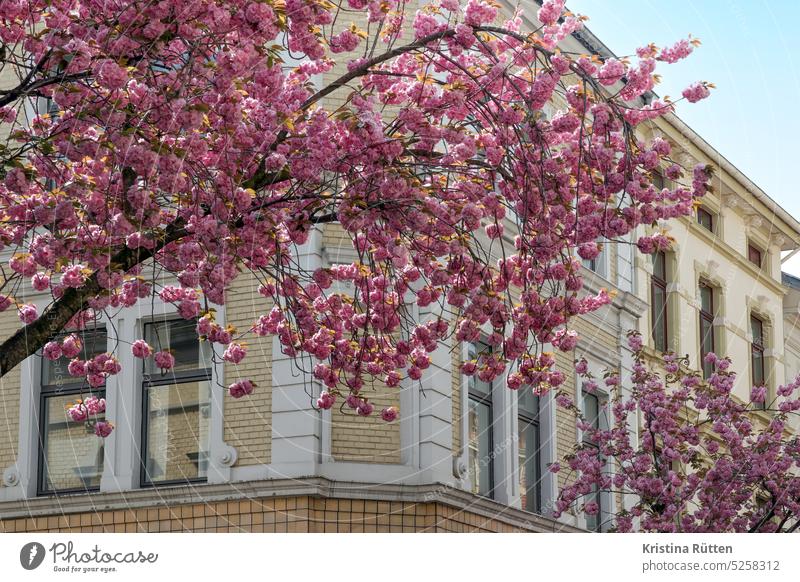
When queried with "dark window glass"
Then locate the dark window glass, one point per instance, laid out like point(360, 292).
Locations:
point(707, 314)
point(180, 337)
point(481, 461)
point(658, 296)
point(70, 454)
point(759, 376)
point(530, 472)
point(754, 255)
point(706, 219)
point(658, 181)
point(176, 406)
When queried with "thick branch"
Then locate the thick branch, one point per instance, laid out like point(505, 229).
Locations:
point(30, 338)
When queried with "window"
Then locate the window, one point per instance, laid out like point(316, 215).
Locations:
point(759, 376)
point(658, 181)
point(658, 296)
point(705, 219)
point(70, 454)
point(530, 465)
point(594, 413)
point(481, 460)
point(707, 314)
point(754, 255)
point(597, 264)
point(176, 406)
point(590, 264)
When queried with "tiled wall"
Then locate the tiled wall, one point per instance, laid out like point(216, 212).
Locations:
point(288, 514)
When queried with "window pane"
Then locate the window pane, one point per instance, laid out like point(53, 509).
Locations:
point(757, 329)
point(658, 181)
point(758, 367)
point(54, 372)
point(480, 447)
point(706, 299)
point(180, 337)
point(528, 402)
point(706, 344)
point(72, 454)
point(660, 265)
point(177, 431)
point(659, 317)
point(591, 409)
point(705, 219)
point(593, 521)
point(754, 255)
point(478, 352)
point(529, 468)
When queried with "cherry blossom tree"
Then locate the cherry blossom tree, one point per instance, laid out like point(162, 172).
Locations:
point(197, 141)
point(704, 460)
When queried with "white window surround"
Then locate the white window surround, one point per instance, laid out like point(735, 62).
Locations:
point(121, 471)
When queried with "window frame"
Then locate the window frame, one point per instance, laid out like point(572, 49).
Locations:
point(146, 383)
point(659, 280)
point(77, 387)
point(755, 249)
point(524, 420)
point(602, 414)
point(758, 347)
point(707, 318)
point(702, 213)
point(473, 394)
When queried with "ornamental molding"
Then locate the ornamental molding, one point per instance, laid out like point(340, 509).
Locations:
point(226, 456)
point(11, 476)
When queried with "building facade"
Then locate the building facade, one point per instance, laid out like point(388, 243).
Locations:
point(463, 456)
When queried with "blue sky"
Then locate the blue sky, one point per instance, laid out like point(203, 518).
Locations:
point(747, 52)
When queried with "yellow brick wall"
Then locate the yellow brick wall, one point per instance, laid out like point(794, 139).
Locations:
point(248, 421)
point(367, 439)
point(592, 333)
point(8, 80)
point(280, 515)
point(335, 237)
point(356, 438)
point(9, 403)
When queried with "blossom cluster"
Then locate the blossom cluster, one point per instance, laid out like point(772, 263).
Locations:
point(186, 147)
point(705, 459)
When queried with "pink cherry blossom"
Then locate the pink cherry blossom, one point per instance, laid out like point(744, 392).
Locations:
point(389, 414)
point(78, 412)
point(103, 428)
point(326, 400)
point(52, 350)
point(215, 171)
point(241, 388)
point(164, 360)
point(40, 281)
point(742, 459)
point(696, 92)
point(28, 314)
point(141, 349)
point(234, 353)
